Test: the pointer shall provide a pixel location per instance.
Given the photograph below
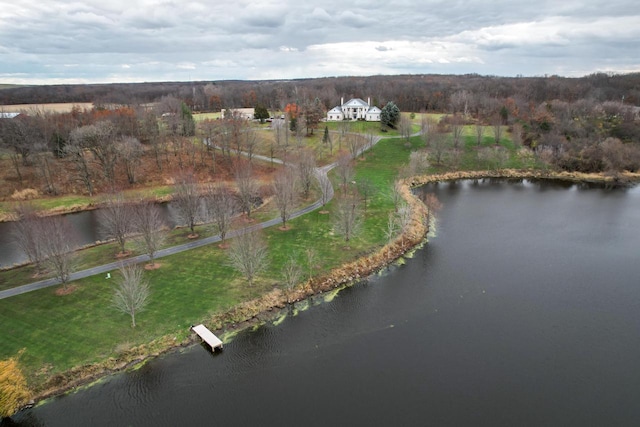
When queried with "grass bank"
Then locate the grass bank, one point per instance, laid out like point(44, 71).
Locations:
point(59, 333)
point(78, 336)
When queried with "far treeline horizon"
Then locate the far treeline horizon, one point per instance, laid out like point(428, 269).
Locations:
point(414, 93)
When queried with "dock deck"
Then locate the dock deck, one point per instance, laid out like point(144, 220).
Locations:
point(207, 336)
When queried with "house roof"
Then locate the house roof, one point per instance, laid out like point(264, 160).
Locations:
point(335, 110)
point(8, 115)
point(374, 109)
point(355, 102)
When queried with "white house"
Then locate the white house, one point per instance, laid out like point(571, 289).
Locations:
point(244, 113)
point(354, 109)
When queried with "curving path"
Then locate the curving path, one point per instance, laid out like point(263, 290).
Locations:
point(102, 269)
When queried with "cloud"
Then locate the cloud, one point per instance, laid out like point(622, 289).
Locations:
point(320, 14)
point(290, 39)
point(356, 20)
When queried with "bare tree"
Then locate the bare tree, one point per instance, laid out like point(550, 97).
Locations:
point(19, 135)
point(209, 130)
point(460, 102)
point(355, 145)
point(418, 163)
point(370, 139)
point(284, 192)
point(427, 127)
point(248, 254)
point(345, 170)
point(494, 157)
point(77, 152)
point(405, 127)
point(517, 133)
point(347, 215)
point(46, 168)
point(281, 135)
point(392, 227)
point(148, 223)
point(115, 220)
point(221, 206)
point(291, 274)
point(132, 293)
point(479, 128)
point(247, 187)
point(396, 194)
point(613, 156)
point(27, 233)
point(403, 218)
point(250, 140)
point(187, 202)
point(305, 166)
point(438, 147)
point(497, 128)
point(324, 183)
point(58, 245)
point(131, 152)
point(100, 140)
point(366, 190)
point(457, 126)
point(298, 130)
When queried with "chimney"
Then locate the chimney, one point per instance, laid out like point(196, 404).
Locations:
point(341, 101)
point(369, 101)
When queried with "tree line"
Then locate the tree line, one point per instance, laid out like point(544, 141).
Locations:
point(410, 92)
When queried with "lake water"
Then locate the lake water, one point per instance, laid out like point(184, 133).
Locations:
point(86, 230)
point(524, 309)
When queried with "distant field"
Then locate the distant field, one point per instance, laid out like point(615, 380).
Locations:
point(6, 86)
point(49, 108)
point(198, 117)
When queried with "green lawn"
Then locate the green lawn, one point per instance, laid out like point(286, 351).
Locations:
point(199, 117)
point(59, 332)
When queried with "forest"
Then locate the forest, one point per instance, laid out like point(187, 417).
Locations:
point(588, 124)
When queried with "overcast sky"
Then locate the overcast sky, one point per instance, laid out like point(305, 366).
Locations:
point(94, 41)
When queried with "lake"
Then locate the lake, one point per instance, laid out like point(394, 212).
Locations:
point(523, 309)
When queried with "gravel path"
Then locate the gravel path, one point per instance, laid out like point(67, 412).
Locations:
point(103, 269)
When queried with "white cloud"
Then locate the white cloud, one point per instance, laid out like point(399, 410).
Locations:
point(321, 14)
point(288, 39)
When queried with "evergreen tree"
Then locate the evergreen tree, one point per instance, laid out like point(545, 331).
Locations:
point(390, 115)
point(261, 113)
point(188, 124)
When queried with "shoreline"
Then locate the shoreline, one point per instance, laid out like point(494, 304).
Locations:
point(268, 306)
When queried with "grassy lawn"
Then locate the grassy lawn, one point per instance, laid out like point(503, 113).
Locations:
point(59, 332)
point(199, 117)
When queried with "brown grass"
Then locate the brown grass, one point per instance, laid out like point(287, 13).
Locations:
point(47, 108)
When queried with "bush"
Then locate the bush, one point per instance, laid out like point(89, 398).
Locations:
point(26, 194)
point(13, 388)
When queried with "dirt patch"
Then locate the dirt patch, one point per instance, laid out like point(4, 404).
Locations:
point(61, 291)
point(193, 236)
point(154, 266)
point(124, 254)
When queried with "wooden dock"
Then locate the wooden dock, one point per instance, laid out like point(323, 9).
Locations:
point(207, 336)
